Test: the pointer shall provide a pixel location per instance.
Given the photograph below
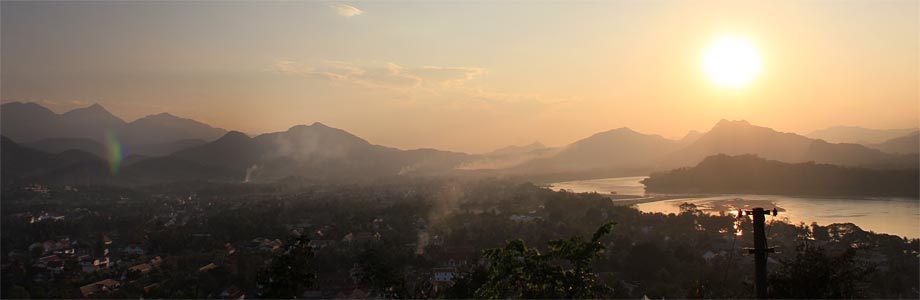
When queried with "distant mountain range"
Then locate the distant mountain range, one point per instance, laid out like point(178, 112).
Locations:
point(315, 152)
point(626, 152)
point(909, 143)
point(40, 145)
point(519, 150)
point(898, 141)
point(858, 135)
point(740, 137)
point(690, 138)
point(83, 128)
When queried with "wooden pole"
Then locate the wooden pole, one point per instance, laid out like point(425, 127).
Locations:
point(760, 254)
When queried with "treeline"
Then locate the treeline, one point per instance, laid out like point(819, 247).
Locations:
point(725, 174)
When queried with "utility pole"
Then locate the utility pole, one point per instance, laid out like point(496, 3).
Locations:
point(760, 250)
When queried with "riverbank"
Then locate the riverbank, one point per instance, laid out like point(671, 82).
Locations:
point(622, 201)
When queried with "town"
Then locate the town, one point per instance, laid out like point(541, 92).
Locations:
point(402, 239)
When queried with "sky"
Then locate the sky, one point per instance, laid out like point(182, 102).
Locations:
point(467, 75)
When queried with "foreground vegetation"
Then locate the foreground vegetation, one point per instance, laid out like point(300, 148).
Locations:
point(423, 239)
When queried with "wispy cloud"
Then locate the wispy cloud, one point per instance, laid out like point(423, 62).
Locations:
point(425, 82)
point(346, 10)
point(450, 76)
point(381, 75)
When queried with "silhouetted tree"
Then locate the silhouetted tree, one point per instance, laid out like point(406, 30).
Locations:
point(518, 271)
point(690, 208)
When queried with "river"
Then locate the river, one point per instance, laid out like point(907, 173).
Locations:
point(891, 215)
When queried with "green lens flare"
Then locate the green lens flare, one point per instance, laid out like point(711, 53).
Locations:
point(112, 152)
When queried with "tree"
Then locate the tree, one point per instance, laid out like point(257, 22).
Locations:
point(518, 271)
point(690, 208)
point(289, 273)
point(813, 274)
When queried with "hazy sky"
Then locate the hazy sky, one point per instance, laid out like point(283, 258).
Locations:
point(469, 76)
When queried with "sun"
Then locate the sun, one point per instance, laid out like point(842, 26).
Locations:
point(732, 62)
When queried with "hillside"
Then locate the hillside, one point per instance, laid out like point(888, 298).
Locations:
point(750, 174)
point(906, 144)
point(58, 145)
point(165, 128)
point(19, 164)
point(509, 156)
point(740, 137)
point(316, 151)
point(620, 148)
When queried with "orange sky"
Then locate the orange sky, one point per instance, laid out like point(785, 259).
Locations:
point(467, 76)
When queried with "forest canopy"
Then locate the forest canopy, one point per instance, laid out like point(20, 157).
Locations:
point(751, 174)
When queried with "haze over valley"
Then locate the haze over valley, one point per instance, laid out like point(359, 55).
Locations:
point(719, 149)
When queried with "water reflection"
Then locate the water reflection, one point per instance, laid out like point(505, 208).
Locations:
point(897, 216)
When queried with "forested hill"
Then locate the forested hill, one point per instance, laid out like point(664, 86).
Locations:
point(725, 174)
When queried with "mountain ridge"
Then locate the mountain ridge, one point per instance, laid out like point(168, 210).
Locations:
point(858, 135)
point(318, 151)
point(27, 122)
point(907, 144)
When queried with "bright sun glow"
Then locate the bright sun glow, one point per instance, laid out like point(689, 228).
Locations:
point(732, 62)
